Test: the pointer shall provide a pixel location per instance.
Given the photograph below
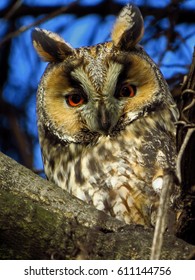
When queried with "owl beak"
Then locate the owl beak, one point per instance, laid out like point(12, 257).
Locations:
point(104, 123)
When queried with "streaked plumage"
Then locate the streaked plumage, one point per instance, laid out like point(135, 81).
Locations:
point(106, 121)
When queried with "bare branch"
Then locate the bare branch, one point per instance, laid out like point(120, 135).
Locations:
point(35, 23)
point(13, 9)
point(161, 221)
point(182, 151)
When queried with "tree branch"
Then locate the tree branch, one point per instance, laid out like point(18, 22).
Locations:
point(103, 9)
point(45, 18)
point(39, 220)
point(186, 156)
point(162, 217)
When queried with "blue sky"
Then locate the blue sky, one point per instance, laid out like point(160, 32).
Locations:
point(26, 68)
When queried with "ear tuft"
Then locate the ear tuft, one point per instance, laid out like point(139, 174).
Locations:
point(50, 46)
point(128, 29)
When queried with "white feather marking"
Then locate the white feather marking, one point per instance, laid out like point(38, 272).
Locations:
point(157, 184)
point(80, 194)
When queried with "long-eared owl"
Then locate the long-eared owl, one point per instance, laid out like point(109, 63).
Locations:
point(106, 120)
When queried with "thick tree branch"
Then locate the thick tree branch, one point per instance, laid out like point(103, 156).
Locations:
point(38, 220)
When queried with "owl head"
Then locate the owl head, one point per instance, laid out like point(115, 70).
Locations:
point(97, 91)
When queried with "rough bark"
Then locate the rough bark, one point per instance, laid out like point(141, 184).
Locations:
point(38, 220)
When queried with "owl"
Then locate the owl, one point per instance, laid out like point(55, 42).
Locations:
point(106, 120)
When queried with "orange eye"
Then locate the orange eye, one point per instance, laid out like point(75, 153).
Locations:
point(127, 91)
point(74, 100)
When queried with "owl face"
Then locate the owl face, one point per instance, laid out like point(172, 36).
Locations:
point(96, 89)
point(86, 101)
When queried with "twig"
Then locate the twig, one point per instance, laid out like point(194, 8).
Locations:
point(161, 217)
point(13, 9)
point(181, 152)
point(35, 23)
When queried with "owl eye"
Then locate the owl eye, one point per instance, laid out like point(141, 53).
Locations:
point(126, 90)
point(74, 100)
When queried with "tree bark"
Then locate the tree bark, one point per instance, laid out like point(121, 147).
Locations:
point(39, 220)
